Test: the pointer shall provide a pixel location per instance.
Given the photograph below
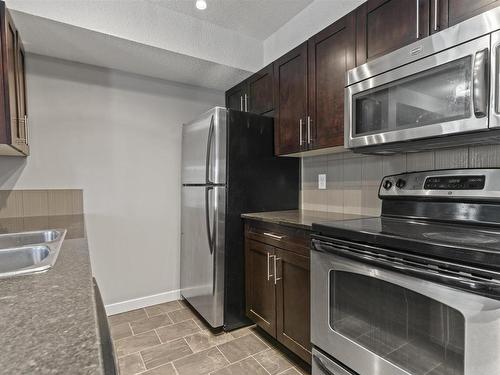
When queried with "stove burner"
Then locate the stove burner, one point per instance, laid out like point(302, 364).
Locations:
point(456, 237)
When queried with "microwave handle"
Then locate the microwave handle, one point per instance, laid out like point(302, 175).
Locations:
point(480, 83)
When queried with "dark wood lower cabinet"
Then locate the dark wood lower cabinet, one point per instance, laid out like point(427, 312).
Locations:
point(278, 284)
point(260, 289)
point(293, 303)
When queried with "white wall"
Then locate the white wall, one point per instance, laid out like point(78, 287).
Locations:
point(314, 18)
point(117, 137)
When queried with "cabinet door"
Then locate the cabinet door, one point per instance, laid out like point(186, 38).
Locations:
point(259, 285)
point(21, 91)
point(235, 97)
point(293, 303)
point(12, 76)
point(331, 55)
point(290, 90)
point(386, 25)
point(260, 91)
point(456, 11)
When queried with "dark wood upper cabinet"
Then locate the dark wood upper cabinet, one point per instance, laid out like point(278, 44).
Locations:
point(13, 108)
point(386, 25)
point(446, 13)
point(260, 91)
point(290, 90)
point(331, 55)
point(293, 303)
point(304, 89)
point(254, 94)
point(236, 96)
point(259, 285)
point(22, 100)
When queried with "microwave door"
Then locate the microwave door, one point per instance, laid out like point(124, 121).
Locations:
point(442, 94)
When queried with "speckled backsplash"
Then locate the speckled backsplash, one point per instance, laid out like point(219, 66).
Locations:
point(353, 180)
point(28, 203)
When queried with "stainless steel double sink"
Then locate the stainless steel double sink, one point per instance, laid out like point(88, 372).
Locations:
point(29, 252)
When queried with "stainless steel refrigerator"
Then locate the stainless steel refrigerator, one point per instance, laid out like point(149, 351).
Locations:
point(228, 168)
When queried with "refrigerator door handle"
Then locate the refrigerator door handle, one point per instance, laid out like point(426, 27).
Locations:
point(210, 229)
point(209, 151)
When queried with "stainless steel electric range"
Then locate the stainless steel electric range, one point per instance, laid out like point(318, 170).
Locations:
point(417, 290)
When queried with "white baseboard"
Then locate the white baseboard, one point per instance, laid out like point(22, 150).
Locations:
point(137, 303)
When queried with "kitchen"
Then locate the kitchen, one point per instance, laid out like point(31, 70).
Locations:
point(225, 187)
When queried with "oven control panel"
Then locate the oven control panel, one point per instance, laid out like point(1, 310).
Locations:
point(451, 183)
point(455, 183)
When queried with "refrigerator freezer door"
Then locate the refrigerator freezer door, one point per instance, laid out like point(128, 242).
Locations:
point(204, 149)
point(202, 250)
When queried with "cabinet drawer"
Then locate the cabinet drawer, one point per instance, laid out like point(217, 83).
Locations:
point(280, 236)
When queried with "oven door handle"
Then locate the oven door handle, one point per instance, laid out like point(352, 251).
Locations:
point(322, 365)
point(462, 282)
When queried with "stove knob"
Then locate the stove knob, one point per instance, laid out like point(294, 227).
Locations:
point(400, 183)
point(387, 184)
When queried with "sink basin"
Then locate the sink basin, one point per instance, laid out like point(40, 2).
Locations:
point(29, 252)
point(28, 238)
point(17, 259)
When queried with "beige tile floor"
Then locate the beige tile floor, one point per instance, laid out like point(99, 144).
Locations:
point(169, 339)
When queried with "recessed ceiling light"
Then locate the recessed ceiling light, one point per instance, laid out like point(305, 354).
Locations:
point(201, 4)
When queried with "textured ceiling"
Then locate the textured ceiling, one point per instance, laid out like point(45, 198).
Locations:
point(255, 18)
point(55, 39)
point(171, 39)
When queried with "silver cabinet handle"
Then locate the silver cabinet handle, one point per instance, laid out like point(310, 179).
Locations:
point(436, 3)
point(269, 256)
point(26, 131)
point(300, 133)
point(241, 103)
point(309, 140)
point(418, 19)
point(274, 236)
point(246, 103)
point(276, 279)
point(480, 83)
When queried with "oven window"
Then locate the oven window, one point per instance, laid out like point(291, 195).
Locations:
point(437, 95)
point(414, 332)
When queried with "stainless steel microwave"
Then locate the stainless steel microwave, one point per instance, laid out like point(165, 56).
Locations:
point(441, 91)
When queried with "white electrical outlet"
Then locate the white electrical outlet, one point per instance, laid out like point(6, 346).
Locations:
point(322, 181)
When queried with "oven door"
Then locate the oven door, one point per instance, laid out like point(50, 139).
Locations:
point(379, 320)
point(445, 93)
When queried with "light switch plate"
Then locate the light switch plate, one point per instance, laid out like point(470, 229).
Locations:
point(322, 181)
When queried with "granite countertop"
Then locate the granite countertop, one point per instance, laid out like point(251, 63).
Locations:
point(48, 321)
point(299, 218)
